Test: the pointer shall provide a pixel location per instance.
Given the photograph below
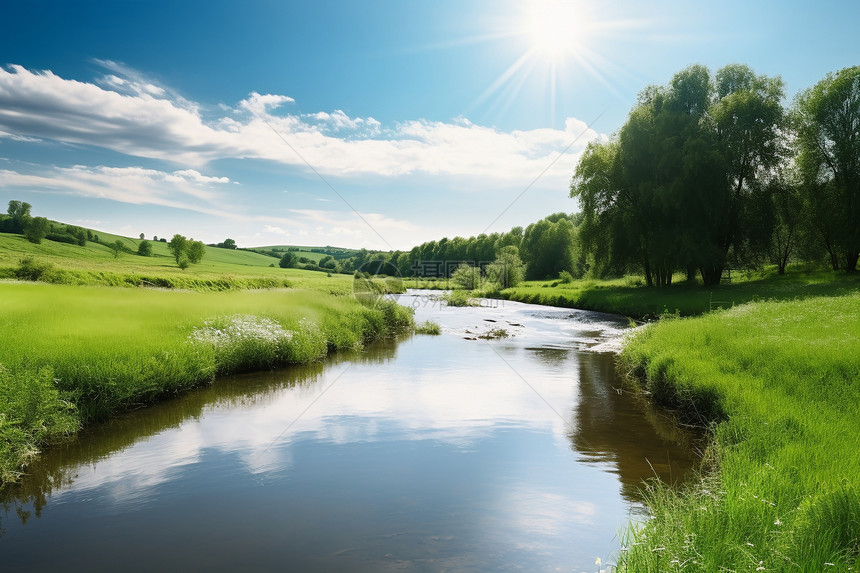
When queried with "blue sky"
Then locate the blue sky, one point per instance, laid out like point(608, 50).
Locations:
point(380, 124)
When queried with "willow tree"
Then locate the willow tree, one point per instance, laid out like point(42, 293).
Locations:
point(676, 188)
point(827, 119)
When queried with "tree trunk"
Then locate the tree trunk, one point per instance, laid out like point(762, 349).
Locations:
point(649, 280)
point(691, 274)
point(851, 258)
point(711, 275)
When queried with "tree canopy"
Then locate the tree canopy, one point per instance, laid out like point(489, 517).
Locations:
point(827, 123)
point(680, 184)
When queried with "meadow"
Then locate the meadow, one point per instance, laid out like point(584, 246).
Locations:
point(776, 383)
point(77, 349)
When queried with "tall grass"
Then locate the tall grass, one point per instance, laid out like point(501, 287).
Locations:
point(779, 384)
point(100, 350)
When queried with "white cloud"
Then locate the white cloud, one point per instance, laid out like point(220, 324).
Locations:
point(275, 230)
point(131, 114)
point(262, 104)
point(186, 189)
point(191, 190)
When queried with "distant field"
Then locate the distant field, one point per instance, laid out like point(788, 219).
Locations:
point(308, 253)
point(95, 264)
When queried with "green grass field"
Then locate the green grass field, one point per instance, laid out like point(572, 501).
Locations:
point(779, 382)
point(80, 349)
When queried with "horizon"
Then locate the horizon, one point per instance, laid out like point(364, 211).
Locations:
point(378, 127)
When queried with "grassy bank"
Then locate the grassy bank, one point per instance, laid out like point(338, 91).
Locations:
point(628, 297)
point(73, 355)
point(780, 384)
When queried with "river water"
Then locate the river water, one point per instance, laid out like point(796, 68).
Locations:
point(432, 453)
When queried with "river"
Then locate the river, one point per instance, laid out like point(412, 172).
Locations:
point(431, 453)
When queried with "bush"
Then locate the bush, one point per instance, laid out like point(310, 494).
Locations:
point(29, 269)
point(565, 277)
point(62, 238)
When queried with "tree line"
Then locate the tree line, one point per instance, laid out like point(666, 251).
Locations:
point(713, 172)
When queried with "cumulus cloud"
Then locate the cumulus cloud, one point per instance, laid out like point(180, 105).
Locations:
point(129, 113)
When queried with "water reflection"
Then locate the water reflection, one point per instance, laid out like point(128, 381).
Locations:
point(430, 453)
point(615, 427)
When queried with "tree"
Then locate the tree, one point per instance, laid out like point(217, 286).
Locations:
point(117, 247)
point(36, 229)
point(178, 246)
point(195, 251)
point(144, 249)
point(19, 213)
point(548, 246)
point(227, 244)
point(508, 269)
point(142, 236)
point(827, 122)
point(680, 186)
point(288, 260)
point(466, 277)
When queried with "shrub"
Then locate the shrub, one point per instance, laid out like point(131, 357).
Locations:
point(29, 269)
point(32, 411)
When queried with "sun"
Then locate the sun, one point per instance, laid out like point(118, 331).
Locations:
point(554, 28)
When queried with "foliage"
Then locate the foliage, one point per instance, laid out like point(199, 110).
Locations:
point(36, 229)
point(827, 120)
point(32, 412)
point(178, 246)
point(288, 260)
point(196, 250)
point(19, 216)
point(186, 251)
point(117, 247)
point(550, 246)
point(144, 249)
point(679, 187)
point(466, 277)
point(29, 269)
point(458, 298)
point(428, 327)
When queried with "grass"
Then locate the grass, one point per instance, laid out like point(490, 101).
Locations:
point(779, 385)
point(428, 327)
point(627, 296)
point(73, 355)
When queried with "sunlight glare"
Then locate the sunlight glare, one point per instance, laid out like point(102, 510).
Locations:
point(554, 27)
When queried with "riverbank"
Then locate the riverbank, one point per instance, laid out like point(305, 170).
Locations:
point(777, 382)
point(628, 296)
point(73, 355)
